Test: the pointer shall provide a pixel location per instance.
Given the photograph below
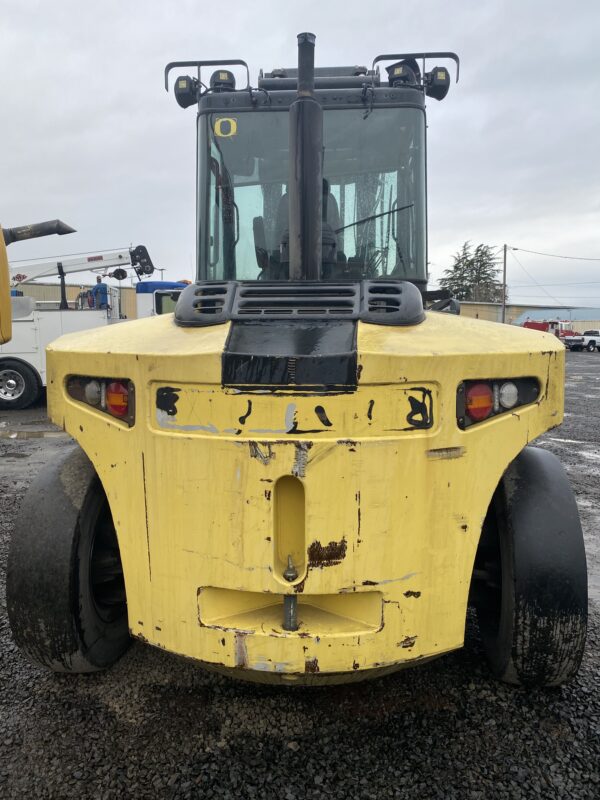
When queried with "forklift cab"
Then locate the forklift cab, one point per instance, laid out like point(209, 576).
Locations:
point(373, 198)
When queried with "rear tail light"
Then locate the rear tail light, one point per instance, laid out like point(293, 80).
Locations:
point(117, 399)
point(479, 400)
point(113, 396)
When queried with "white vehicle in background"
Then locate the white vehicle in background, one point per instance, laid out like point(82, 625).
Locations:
point(157, 297)
point(36, 324)
point(588, 340)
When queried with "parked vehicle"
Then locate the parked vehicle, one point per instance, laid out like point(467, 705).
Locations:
point(588, 340)
point(36, 324)
point(561, 328)
point(8, 236)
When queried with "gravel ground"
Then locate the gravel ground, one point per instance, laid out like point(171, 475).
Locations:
point(156, 726)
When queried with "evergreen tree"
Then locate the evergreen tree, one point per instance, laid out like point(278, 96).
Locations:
point(474, 275)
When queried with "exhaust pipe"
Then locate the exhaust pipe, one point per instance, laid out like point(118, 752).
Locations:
point(305, 187)
point(37, 229)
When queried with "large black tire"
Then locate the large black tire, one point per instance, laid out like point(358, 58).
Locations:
point(591, 346)
point(530, 579)
point(20, 385)
point(64, 585)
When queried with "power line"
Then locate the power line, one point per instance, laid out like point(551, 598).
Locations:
point(571, 283)
point(531, 278)
point(531, 297)
point(554, 255)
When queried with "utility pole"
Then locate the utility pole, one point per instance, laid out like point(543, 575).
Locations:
point(504, 285)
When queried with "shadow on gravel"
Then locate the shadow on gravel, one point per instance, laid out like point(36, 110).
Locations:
point(159, 726)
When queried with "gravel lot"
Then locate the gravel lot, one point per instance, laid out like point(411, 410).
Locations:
point(158, 726)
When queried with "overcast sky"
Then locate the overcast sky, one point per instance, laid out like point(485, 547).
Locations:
point(89, 135)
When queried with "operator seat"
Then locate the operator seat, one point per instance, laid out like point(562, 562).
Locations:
point(331, 213)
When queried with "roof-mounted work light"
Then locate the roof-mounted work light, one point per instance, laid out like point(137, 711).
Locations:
point(437, 83)
point(222, 81)
point(404, 73)
point(186, 90)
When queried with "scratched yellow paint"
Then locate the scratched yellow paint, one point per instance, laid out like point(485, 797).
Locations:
point(392, 512)
point(5, 309)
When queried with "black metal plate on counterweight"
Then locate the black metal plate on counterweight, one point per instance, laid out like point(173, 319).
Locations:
point(302, 354)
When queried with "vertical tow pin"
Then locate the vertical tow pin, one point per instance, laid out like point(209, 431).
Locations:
point(290, 601)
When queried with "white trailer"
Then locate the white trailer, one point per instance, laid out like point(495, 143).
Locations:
point(34, 325)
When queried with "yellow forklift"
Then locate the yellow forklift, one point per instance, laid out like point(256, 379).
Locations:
point(309, 471)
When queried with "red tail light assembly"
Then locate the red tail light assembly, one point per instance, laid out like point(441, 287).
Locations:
point(113, 396)
point(477, 401)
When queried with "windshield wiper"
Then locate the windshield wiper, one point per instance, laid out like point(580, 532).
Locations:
point(374, 216)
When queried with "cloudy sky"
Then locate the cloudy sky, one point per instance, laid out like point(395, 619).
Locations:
point(89, 135)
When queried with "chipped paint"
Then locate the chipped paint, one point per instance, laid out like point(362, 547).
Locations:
point(262, 451)
point(244, 417)
point(370, 410)
point(326, 555)
point(290, 417)
point(241, 651)
point(163, 421)
point(446, 452)
point(166, 400)
point(301, 459)
point(408, 642)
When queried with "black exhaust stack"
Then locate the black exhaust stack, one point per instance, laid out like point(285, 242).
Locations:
point(37, 229)
point(305, 189)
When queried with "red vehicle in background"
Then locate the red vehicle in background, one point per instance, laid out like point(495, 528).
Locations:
point(563, 329)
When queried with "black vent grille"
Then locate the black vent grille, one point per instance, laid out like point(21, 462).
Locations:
point(211, 300)
point(378, 302)
point(282, 300)
point(383, 298)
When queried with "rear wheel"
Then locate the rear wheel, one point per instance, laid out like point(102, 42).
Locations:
point(65, 590)
point(19, 384)
point(530, 580)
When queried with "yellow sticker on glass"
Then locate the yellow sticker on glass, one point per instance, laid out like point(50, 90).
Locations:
point(225, 127)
